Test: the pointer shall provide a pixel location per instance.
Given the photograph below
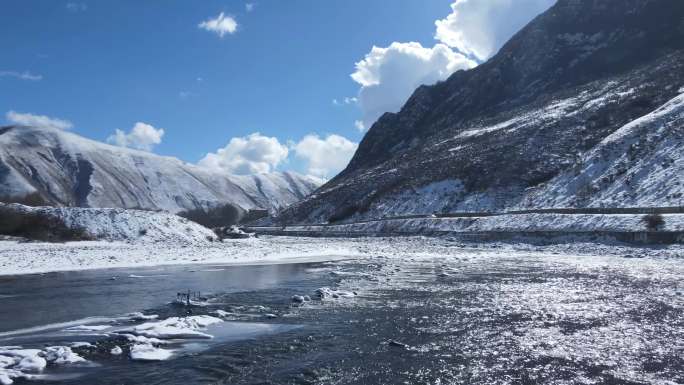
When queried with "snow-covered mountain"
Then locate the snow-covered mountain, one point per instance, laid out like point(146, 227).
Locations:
point(580, 108)
point(69, 170)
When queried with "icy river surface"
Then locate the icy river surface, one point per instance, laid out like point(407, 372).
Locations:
point(464, 319)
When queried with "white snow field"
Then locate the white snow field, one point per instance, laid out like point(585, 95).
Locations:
point(36, 257)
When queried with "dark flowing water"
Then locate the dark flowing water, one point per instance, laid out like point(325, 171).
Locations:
point(507, 320)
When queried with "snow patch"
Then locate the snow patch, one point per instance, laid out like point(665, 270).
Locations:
point(639, 165)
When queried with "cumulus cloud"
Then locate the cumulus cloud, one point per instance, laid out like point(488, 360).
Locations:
point(325, 157)
point(141, 137)
point(33, 120)
point(220, 25)
point(76, 7)
point(252, 154)
point(473, 32)
point(388, 76)
point(479, 28)
point(249, 7)
point(25, 75)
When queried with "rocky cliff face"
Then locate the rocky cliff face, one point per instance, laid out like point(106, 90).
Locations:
point(68, 170)
point(505, 133)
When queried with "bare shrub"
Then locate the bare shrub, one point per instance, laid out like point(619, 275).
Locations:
point(33, 199)
point(221, 216)
point(654, 222)
point(343, 213)
point(38, 226)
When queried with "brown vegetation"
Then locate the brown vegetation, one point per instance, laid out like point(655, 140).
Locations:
point(33, 199)
point(654, 222)
point(37, 226)
point(221, 216)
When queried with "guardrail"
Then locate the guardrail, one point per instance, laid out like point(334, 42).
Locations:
point(644, 237)
point(636, 237)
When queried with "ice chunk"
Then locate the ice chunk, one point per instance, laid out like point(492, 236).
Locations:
point(147, 352)
point(223, 313)
point(175, 327)
point(326, 293)
point(17, 363)
point(76, 345)
point(138, 316)
point(87, 328)
point(62, 355)
point(31, 364)
point(116, 350)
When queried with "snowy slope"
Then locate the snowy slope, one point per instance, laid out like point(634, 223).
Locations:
point(126, 225)
point(641, 164)
point(70, 170)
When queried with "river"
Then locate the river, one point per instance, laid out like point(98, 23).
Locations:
point(511, 319)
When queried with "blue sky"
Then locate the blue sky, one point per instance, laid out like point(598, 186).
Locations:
point(108, 65)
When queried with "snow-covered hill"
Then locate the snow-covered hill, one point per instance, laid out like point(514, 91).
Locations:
point(136, 226)
point(70, 170)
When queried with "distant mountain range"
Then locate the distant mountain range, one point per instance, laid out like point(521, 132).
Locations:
point(68, 170)
point(581, 108)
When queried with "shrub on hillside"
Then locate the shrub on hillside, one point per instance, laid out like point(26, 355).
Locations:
point(654, 222)
point(253, 216)
point(220, 216)
point(33, 199)
point(38, 226)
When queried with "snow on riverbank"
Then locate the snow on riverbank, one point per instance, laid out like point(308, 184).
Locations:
point(27, 258)
point(38, 257)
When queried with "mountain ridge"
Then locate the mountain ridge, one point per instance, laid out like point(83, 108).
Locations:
point(69, 170)
point(573, 76)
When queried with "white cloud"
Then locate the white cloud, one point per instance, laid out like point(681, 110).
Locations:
point(388, 76)
point(325, 157)
point(359, 125)
point(220, 25)
point(347, 100)
point(252, 154)
point(26, 75)
point(142, 137)
point(479, 28)
point(76, 7)
point(249, 7)
point(27, 119)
